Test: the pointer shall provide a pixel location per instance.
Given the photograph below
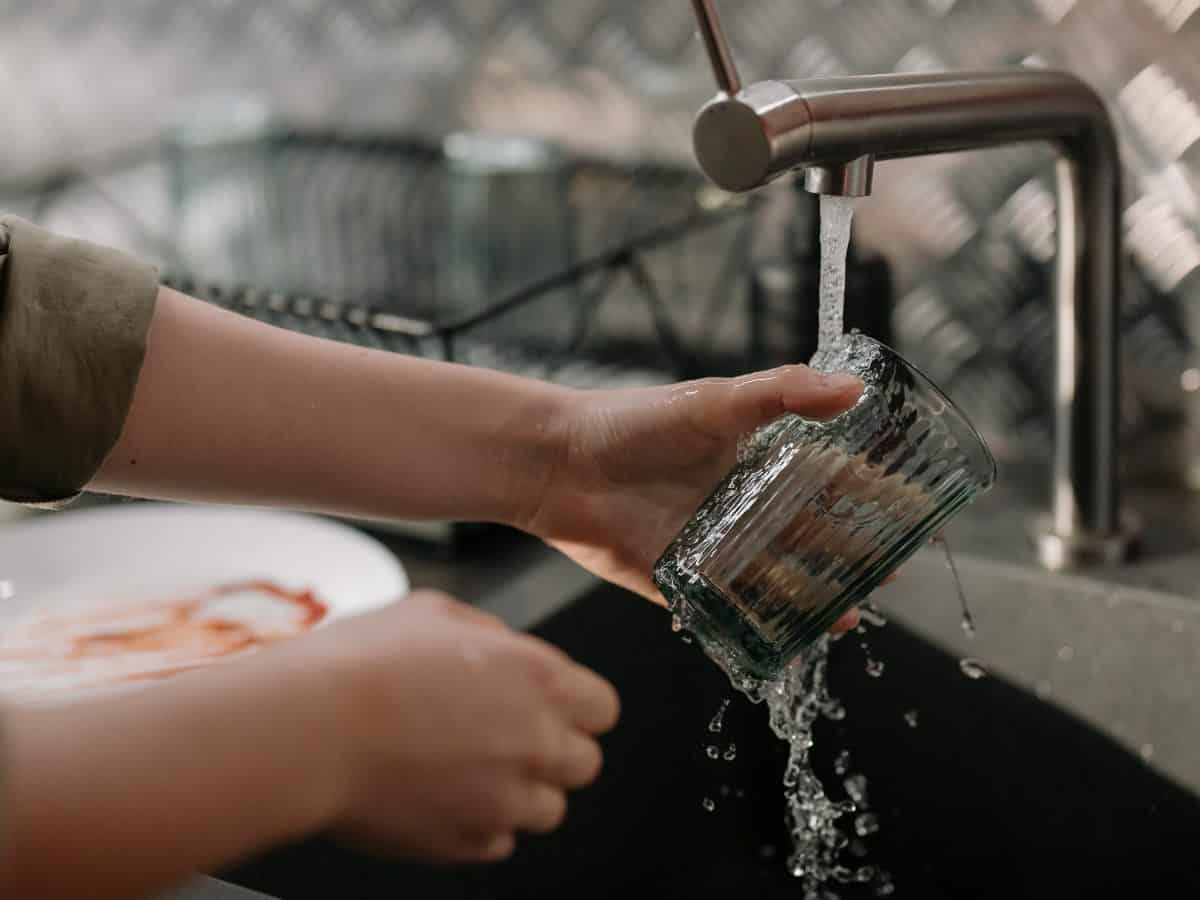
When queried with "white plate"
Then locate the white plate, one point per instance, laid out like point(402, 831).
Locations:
point(80, 563)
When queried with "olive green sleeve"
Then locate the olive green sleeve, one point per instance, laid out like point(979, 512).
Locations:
point(73, 323)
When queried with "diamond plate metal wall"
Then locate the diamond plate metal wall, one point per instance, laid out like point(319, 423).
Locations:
point(970, 236)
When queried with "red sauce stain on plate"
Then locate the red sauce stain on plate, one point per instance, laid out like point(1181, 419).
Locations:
point(62, 650)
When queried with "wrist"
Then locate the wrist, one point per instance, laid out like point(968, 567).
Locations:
point(539, 456)
point(312, 737)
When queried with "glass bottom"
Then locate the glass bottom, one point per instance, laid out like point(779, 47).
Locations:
point(725, 632)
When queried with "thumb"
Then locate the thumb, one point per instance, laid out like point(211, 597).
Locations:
point(753, 400)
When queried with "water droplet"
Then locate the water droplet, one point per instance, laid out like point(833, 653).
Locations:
point(725, 790)
point(841, 764)
point(910, 718)
point(834, 711)
point(856, 788)
point(872, 615)
point(739, 793)
point(968, 627)
point(1176, 625)
point(7, 591)
point(875, 667)
point(767, 851)
point(719, 719)
point(885, 887)
point(865, 874)
point(687, 638)
point(859, 848)
point(1066, 653)
point(867, 823)
point(842, 873)
point(798, 870)
point(1147, 751)
point(1043, 689)
point(472, 656)
point(709, 804)
point(676, 623)
point(972, 668)
point(730, 753)
point(712, 751)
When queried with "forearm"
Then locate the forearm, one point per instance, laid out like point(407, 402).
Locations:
point(229, 409)
point(124, 796)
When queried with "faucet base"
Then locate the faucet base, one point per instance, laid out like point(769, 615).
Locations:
point(1058, 552)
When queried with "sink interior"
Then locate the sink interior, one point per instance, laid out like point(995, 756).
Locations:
point(1124, 660)
point(997, 792)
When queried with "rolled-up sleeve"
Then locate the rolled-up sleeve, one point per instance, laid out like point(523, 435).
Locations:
point(73, 324)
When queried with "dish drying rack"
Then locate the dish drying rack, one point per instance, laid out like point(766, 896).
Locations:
point(620, 274)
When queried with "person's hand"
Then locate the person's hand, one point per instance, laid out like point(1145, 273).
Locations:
point(458, 733)
point(635, 464)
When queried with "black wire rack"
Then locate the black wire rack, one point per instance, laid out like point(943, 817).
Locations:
point(577, 270)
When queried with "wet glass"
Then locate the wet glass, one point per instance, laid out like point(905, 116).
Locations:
point(815, 515)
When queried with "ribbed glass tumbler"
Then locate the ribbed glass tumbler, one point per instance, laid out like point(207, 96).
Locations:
point(816, 515)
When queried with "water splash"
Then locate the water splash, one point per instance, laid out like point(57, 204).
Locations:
point(794, 701)
point(841, 764)
point(856, 789)
point(871, 614)
point(837, 214)
point(718, 721)
point(866, 823)
point(972, 668)
point(873, 666)
point(833, 710)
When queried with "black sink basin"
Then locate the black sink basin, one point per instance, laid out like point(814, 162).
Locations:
point(993, 794)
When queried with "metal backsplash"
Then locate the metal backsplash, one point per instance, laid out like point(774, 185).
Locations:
point(970, 237)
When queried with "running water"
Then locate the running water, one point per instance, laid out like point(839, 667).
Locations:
point(968, 621)
point(836, 216)
point(797, 697)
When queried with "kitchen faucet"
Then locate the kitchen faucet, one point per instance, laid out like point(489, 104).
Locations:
point(835, 129)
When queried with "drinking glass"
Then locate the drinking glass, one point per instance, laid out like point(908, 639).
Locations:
point(816, 514)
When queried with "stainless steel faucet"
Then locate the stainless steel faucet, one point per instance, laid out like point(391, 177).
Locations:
point(836, 129)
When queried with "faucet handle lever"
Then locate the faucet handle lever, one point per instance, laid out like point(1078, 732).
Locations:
point(724, 68)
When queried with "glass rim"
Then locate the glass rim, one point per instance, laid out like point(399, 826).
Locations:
point(932, 386)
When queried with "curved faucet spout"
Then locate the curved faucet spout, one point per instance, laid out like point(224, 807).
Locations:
point(836, 128)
